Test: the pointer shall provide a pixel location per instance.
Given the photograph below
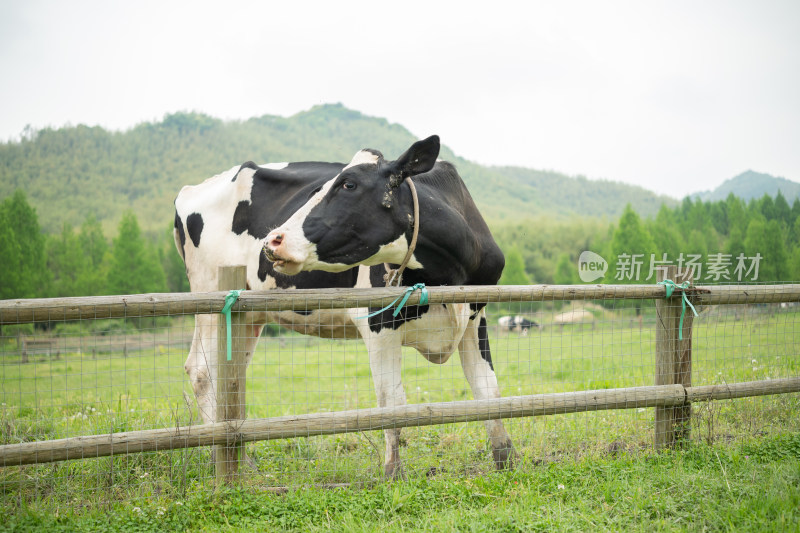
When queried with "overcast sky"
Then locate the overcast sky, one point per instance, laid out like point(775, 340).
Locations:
point(675, 96)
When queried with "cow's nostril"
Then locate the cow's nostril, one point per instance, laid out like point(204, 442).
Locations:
point(276, 241)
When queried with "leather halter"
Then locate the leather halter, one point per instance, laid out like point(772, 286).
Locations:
point(393, 277)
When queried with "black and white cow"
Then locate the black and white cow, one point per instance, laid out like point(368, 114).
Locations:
point(223, 221)
point(363, 217)
point(518, 324)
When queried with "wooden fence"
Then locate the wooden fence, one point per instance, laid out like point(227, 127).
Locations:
point(671, 395)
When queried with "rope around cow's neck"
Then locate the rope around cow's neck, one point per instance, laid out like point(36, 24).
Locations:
point(394, 277)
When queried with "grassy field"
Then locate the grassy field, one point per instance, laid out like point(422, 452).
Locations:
point(576, 471)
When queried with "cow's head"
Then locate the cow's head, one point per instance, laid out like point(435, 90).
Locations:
point(355, 218)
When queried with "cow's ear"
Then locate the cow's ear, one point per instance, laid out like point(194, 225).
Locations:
point(419, 158)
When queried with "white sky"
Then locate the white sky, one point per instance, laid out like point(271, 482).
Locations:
point(675, 96)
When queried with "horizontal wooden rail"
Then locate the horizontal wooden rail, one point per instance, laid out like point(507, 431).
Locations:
point(379, 418)
point(163, 304)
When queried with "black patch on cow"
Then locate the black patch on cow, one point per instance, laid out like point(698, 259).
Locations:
point(483, 342)
point(248, 164)
point(241, 217)
point(264, 267)
point(386, 319)
point(276, 194)
point(181, 233)
point(194, 224)
point(475, 308)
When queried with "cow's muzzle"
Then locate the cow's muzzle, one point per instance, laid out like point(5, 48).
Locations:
point(272, 250)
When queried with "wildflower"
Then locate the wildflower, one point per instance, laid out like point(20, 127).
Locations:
point(561, 487)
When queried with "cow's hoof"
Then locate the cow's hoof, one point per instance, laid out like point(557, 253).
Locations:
point(504, 456)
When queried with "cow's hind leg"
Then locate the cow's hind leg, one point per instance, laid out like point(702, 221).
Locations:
point(476, 360)
point(385, 361)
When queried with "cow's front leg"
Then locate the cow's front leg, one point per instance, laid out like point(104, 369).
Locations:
point(385, 361)
point(201, 367)
point(476, 361)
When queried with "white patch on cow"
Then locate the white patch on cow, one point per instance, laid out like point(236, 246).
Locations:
point(362, 280)
point(274, 166)
point(394, 253)
point(216, 200)
point(364, 157)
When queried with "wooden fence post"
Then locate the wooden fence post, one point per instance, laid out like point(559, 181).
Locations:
point(673, 359)
point(231, 380)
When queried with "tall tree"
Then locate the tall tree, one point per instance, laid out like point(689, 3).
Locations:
point(10, 258)
point(95, 247)
point(67, 263)
point(33, 276)
point(737, 214)
point(782, 210)
point(631, 248)
point(764, 241)
point(134, 267)
point(514, 271)
point(565, 271)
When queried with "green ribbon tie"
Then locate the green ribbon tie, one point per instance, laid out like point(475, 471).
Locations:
point(423, 300)
point(230, 299)
point(670, 287)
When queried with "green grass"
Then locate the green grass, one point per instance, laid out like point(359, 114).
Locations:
point(611, 478)
point(705, 488)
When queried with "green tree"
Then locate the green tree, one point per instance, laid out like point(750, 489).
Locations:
point(631, 248)
point(794, 225)
point(737, 214)
point(565, 271)
point(31, 275)
point(514, 272)
point(10, 258)
point(66, 262)
point(767, 207)
point(782, 210)
point(764, 238)
point(735, 245)
point(94, 246)
point(666, 235)
point(719, 217)
point(134, 267)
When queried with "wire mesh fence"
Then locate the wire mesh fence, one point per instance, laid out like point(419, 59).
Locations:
point(116, 367)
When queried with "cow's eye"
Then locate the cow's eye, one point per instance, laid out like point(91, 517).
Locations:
point(349, 185)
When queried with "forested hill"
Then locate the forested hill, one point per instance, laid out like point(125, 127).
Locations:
point(72, 172)
point(752, 185)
